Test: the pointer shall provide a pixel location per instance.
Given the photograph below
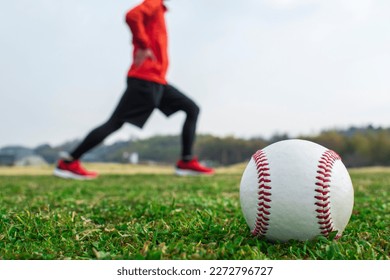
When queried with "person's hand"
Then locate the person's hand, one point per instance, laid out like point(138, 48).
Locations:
point(141, 55)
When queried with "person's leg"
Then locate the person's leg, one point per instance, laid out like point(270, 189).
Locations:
point(95, 137)
point(135, 107)
point(69, 165)
point(173, 100)
point(189, 130)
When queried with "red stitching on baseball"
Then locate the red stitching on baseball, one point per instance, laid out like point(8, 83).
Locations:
point(324, 172)
point(264, 195)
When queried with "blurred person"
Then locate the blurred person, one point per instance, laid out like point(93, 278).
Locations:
point(147, 89)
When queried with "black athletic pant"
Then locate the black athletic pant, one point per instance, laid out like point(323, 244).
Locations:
point(136, 105)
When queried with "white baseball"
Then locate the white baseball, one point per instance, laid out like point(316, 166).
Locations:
point(296, 189)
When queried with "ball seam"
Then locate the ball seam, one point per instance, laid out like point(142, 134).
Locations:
point(322, 196)
point(263, 193)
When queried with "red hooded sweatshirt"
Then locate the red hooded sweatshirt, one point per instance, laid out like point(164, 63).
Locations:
point(147, 24)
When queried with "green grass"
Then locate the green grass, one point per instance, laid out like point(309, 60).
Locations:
point(166, 217)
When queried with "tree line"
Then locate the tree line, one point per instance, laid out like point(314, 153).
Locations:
point(365, 146)
point(357, 147)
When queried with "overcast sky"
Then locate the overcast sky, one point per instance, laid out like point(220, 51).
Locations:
point(255, 67)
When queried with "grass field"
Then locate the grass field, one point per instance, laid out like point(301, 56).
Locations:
point(147, 213)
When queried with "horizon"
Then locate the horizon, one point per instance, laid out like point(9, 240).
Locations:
point(269, 139)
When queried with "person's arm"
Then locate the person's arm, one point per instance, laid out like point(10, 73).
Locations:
point(135, 18)
point(141, 55)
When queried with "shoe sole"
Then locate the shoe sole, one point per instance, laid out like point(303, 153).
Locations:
point(186, 172)
point(69, 175)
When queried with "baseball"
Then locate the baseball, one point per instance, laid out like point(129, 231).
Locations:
point(296, 190)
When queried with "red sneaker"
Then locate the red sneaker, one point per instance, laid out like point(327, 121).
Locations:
point(73, 170)
point(192, 167)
